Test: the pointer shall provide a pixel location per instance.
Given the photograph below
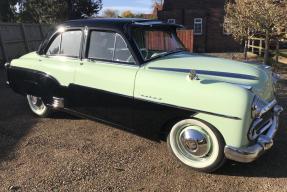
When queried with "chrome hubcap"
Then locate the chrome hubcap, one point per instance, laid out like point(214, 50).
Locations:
point(194, 143)
point(36, 102)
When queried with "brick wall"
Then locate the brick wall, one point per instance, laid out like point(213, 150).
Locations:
point(212, 12)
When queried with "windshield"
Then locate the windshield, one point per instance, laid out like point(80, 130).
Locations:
point(156, 43)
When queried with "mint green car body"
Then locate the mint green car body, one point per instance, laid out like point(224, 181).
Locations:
point(217, 95)
point(223, 101)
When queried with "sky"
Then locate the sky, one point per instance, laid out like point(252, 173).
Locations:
point(137, 6)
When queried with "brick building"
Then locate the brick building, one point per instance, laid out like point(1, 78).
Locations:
point(206, 18)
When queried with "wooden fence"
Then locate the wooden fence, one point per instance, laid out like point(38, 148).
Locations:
point(257, 46)
point(18, 39)
point(157, 41)
point(186, 36)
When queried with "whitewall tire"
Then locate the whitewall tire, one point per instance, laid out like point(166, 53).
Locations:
point(37, 106)
point(197, 145)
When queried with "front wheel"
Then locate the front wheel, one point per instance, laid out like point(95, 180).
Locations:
point(37, 106)
point(197, 145)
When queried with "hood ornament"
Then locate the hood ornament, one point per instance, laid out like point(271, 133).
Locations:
point(192, 75)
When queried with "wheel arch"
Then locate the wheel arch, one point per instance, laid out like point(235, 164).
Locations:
point(28, 81)
point(166, 128)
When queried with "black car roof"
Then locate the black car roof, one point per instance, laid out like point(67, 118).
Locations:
point(118, 23)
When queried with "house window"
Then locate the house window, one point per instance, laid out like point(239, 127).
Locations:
point(172, 21)
point(224, 29)
point(197, 28)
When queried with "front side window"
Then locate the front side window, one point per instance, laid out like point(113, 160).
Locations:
point(197, 28)
point(101, 45)
point(109, 46)
point(156, 43)
point(66, 44)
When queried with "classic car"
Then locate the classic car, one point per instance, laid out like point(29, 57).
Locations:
point(136, 75)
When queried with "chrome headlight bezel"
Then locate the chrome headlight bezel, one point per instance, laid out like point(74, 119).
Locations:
point(257, 105)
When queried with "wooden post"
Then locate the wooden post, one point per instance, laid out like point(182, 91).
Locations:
point(2, 44)
point(252, 50)
point(277, 51)
point(261, 47)
point(245, 49)
point(25, 38)
point(248, 44)
point(267, 46)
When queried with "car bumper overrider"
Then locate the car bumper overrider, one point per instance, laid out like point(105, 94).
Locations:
point(262, 144)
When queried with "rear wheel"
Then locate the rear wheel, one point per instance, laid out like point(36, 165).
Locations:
point(197, 145)
point(37, 106)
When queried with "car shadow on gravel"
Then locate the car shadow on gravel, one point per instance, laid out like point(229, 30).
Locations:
point(15, 120)
point(273, 163)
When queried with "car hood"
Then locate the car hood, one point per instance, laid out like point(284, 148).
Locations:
point(212, 69)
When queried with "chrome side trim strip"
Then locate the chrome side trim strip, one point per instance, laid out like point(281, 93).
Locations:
point(212, 73)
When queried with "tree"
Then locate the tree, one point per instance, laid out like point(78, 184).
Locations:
point(127, 14)
point(7, 10)
point(157, 2)
point(43, 11)
point(111, 13)
point(247, 18)
point(55, 11)
point(83, 8)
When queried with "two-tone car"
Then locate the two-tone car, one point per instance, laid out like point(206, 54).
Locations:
point(137, 75)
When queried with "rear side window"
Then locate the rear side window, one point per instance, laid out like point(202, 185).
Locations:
point(71, 43)
point(66, 44)
point(109, 46)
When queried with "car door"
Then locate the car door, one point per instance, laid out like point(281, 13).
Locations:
point(50, 74)
point(104, 82)
point(62, 56)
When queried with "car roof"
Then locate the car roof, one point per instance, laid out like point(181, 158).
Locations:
point(115, 23)
point(103, 22)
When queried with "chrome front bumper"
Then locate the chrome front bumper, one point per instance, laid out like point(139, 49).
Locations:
point(263, 143)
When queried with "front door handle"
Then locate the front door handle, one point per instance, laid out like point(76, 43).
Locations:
point(81, 63)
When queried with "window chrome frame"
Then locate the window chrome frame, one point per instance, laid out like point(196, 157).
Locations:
point(198, 21)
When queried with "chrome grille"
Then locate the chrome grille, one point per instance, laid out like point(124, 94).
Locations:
point(261, 124)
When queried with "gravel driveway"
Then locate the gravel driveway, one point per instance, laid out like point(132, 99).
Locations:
point(64, 153)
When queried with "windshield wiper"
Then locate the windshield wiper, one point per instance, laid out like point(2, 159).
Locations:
point(160, 55)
